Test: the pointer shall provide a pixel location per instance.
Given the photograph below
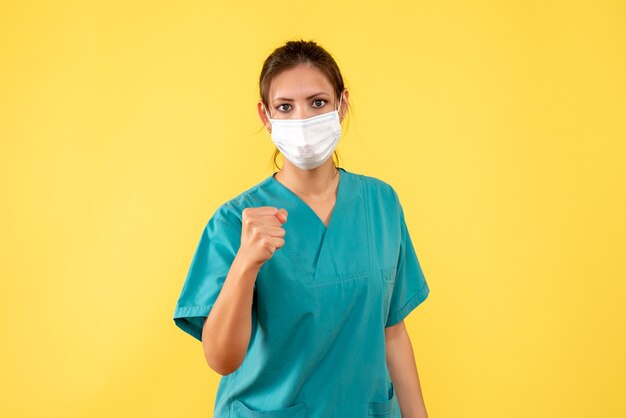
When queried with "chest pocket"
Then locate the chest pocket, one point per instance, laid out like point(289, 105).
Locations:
point(388, 278)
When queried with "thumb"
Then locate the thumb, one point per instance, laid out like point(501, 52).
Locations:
point(282, 215)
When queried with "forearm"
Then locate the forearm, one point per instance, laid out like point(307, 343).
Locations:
point(403, 372)
point(226, 331)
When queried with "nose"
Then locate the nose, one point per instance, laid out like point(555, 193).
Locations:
point(301, 112)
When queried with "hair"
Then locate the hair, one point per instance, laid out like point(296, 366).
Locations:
point(292, 54)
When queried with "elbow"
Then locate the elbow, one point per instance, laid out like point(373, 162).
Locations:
point(223, 355)
point(223, 366)
point(223, 362)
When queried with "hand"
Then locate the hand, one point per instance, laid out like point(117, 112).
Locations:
point(261, 233)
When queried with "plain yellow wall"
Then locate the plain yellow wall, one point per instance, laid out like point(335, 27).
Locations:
point(501, 124)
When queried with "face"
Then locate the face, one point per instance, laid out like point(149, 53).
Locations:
point(299, 93)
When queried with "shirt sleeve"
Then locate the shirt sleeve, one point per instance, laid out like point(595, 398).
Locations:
point(410, 287)
point(210, 264)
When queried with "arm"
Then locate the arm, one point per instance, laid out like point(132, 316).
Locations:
point(226, 331)
point(403, 371)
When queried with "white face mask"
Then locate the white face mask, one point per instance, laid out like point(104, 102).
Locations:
point(307, 143)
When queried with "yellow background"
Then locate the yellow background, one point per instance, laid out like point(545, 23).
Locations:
point(502, 125)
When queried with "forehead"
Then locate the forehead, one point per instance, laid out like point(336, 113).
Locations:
point(300, 81)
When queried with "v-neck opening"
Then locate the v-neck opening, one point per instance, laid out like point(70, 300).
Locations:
point(319, 251)
point(309, 208)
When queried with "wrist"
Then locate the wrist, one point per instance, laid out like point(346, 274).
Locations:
point(245, 266)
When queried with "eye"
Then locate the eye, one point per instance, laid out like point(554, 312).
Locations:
point(281, 108)
point(317, 103)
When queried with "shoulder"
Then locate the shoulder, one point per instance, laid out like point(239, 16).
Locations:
point(384, 215)
point(230, 212)
point(377, 188)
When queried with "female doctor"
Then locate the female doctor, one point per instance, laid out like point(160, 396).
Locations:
point(299, 286)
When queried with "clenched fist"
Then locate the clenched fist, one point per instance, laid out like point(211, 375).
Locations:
point(261, 233)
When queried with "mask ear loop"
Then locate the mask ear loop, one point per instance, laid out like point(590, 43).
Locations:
point(268, 117)
point(340, 98)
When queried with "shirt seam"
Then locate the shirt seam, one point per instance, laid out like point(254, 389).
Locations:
point(368, 223)
point(222, 220)
point(413, 302)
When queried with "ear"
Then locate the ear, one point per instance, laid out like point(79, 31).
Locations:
point(344, 104)
point(263, 116)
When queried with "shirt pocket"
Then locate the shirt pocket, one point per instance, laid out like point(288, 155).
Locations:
point(386, 408)
point(297, 410)
point(388, 277)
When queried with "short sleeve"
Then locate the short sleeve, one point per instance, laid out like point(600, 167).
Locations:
point(209, 267)
point(410, 287)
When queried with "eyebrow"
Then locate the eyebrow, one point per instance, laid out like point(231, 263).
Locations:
point(308, 98)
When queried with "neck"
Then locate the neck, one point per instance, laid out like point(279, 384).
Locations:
point(316, 182)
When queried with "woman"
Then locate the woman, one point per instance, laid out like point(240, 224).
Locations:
point(299, 285)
